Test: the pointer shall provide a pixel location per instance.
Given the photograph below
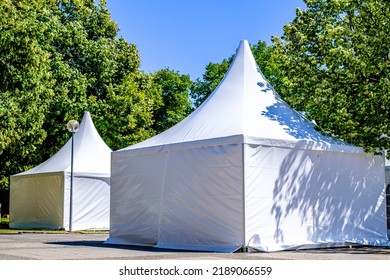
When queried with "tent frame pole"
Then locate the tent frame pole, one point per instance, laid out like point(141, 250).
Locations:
point(71, 185)
point(244, 247)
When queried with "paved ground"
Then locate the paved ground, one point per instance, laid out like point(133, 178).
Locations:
point(78, 246)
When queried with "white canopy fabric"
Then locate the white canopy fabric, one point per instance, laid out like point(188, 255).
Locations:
point(246, 171)
point(92, 156)
point(39, 197)
point(246, 106)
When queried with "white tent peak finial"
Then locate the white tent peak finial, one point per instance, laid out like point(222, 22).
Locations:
point(243, 44)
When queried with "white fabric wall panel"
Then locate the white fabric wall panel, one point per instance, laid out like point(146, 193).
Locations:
point(302, 198)
point(202, 203)
point(351, 199)
point(37, 201)
point(183, 198)
point(136, 187)
point(91, 203)
point(276, 178)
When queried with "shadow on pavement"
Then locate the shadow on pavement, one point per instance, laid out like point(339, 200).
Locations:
point(358, 249)
point(101, 244)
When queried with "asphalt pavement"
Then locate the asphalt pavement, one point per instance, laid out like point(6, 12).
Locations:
point(91, 246)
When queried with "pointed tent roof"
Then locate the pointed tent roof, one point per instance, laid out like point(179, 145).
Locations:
point(91, 154)
point(246, 106)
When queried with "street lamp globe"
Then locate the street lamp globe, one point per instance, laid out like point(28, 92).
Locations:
point(73, 126)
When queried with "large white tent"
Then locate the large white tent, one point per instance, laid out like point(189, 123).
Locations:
point(40, 197)
point(246, 171)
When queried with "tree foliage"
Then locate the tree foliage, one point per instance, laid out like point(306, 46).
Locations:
point(334, 58)
point(176, 103)
point(59, 59)
point(25, 83)
point(95, 71)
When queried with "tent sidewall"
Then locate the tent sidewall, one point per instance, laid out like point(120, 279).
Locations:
point(297, 196)
point(178, 198)
point(90, 202)
point(36, 201)
point(230, 195)
point(41, 201)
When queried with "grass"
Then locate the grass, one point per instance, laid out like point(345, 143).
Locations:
point(48, 231)
point(4, 229)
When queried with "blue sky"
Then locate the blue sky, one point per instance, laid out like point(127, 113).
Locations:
point(185, 35)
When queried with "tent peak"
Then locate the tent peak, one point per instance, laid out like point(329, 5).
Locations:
point(244, 104)
point(245, 44)
point(91, 154)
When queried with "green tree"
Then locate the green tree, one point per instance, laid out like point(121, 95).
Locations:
point(59, 59)
point(335, 62)
point(125, 115)
point(215, 72)
point(97, 72)
point(176, 105)
point(25, 83)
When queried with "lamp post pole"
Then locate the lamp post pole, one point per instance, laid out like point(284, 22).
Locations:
point(73, 126)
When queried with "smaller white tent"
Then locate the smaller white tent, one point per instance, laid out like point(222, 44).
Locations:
point(39, 197)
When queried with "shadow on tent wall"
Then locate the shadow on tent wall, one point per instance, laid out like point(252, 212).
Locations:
point(387, 178)
point(4, 202)
point(388, 207)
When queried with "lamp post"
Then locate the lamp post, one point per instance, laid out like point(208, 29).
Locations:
point(73, 126)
